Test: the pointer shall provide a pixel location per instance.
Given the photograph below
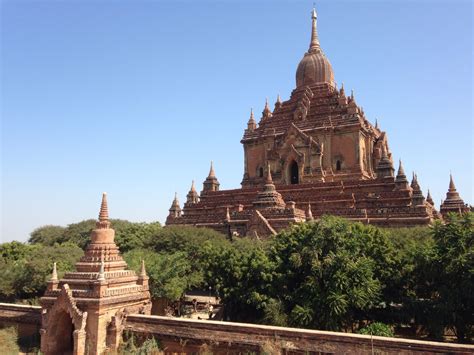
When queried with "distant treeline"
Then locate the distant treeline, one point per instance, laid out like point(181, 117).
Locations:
point(328, 274)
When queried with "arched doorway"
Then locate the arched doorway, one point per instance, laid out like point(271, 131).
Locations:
point(294, 173)
point(61, 333)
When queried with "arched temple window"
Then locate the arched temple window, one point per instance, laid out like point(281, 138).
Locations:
point(338, 165)
point(294, 173)
point(260, 172)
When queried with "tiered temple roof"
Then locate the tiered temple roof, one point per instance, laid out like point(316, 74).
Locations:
point(322, 156)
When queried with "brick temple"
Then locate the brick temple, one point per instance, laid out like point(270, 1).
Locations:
point(83, 312)
point(313, 154)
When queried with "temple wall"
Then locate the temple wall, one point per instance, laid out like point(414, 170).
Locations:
point(186, 335)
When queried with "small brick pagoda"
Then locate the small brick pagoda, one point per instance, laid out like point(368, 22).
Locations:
point(318, 152)
point(82, 313)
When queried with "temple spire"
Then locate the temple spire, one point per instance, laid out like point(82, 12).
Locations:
point(266, 111)
point(429, 199)
point(143, 270)
point(192, 196)
point(251, 124)
point(103, 222)
point(269, 179)
point(54, 275)
point(211, 183)
point(212, 174)
point(314, 45)
point(104, 210)
point(452, 187)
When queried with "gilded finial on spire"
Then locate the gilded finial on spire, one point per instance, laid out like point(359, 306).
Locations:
point(376, 123)
point(278, 99)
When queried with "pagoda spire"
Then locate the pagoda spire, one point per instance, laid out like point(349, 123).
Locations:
point(211, 171)
point(54, 275)
point(143, 270)
point(453, 202)
point(175, 209)
point(278, 102)
point(417, 196)
point(266, 113)
point(452, 187)
point(269, 197)
point(251, 124)
point(401, 180)
point(211, 183)
point(192, 196)
point(429, 199)
point(314, 45)
point(376, 124)
point(384, 167)
point(103, 222)
point(342, 92)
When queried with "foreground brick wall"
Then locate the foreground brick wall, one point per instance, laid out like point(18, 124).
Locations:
point(185, 335)
point(20, 314)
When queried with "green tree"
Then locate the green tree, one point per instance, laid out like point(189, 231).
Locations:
point(170, 274)
point(377, 328)
point(27, 268)
point(326, 271)
point(242, 274)
point(453, 271)
point(47, 235)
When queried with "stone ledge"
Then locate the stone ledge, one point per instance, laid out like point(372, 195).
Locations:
point(251, 335)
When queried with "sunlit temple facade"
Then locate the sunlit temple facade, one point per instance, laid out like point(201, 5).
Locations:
point(313, 154)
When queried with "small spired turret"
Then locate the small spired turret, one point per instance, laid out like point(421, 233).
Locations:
point(175, 209)
point(251, 124)
point(309, 213)
point(192, 197)
point(352, 105)
point(278, 103)
point(269, 197)
point(417, 198)
point(211, 183)
point(453, 202)
point(385, 168)
point(429, 199)
point(401, 181)
point(266, 113)
point(342, 96)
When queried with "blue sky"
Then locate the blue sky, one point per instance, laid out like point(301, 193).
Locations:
point(136, 97)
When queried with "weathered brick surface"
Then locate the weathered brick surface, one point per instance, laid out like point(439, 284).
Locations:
point(186, 335)
point(18, 314)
